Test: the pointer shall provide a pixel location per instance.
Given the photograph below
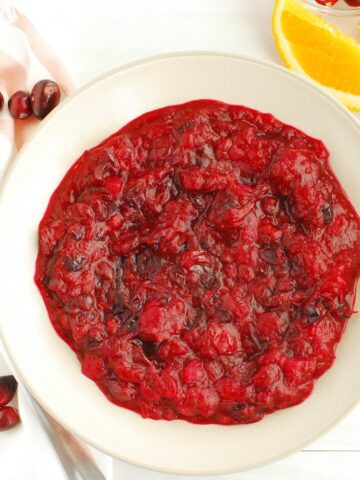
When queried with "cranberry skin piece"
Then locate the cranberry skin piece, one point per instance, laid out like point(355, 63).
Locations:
point(44, 97)
point(9, 417)
point(1, 101)
point(8, 386)
point(327, 3)
point(20, 105)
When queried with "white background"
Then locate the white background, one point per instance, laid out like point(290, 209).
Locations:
point(93, 36)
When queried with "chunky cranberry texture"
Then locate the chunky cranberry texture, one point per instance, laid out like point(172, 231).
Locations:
point(353, 3)
point(327, 3)
point(331, 3)
point(202, 263)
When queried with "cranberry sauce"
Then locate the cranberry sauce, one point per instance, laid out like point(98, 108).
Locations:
point(202, 263)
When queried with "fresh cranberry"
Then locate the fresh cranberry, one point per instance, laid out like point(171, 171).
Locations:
point(327, 3)
point(45, 96)
point(1, 101)
point(20, 105)
point(9, 417)
point(8, 386)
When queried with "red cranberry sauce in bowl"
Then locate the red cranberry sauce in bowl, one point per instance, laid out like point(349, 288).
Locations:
point(202, 263)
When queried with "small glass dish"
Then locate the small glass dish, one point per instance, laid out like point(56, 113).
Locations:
point(340, 9)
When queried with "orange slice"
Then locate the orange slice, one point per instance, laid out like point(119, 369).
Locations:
point(311, 46)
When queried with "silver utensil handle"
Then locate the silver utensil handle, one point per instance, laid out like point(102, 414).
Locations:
point(73, 457)
point(75, 460)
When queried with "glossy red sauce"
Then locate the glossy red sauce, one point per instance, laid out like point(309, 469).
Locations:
point(202, 263)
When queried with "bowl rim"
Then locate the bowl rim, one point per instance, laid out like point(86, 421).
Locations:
point(154, 58)
point(143, 61)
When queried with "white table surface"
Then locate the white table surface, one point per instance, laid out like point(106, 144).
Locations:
point(93, 36)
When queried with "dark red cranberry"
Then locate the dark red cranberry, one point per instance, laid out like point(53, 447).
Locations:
point(1, 101)
point(269, 256)
point(8, 386)
point(9, 417)
point(327, 3)
point(328, 214)
point(20, 105)
point(269, 205)
point(353, 3)
point(313, 313)
point(44, 97)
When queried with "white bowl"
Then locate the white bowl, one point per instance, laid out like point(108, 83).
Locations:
point(50, 368)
